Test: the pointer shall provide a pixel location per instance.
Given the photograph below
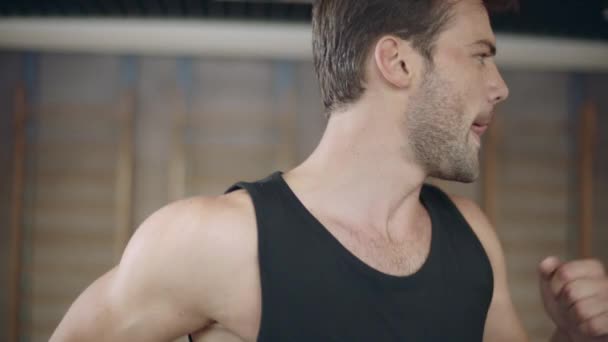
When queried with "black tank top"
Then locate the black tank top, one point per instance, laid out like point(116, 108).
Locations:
point(314, 289)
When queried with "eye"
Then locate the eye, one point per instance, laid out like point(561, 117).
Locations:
point(481, 58)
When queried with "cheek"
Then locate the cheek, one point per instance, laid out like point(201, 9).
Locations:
point(464, 75)
point(471, 86)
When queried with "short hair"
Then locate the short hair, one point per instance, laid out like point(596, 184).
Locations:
point(344, 31)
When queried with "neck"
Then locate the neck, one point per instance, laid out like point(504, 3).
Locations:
point(363, 171)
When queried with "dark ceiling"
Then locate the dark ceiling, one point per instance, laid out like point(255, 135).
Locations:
point(562, 18)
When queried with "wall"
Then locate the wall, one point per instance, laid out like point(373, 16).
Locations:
point(201, 124)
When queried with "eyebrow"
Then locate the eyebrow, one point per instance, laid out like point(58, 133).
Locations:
point(490, 45)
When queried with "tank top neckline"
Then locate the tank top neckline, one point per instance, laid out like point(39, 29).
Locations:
point(359, 265)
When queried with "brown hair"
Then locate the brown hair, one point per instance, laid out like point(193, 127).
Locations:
point(344, 30)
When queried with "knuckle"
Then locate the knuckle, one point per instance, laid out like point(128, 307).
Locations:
point(597, 265)
point(580, 312)
point(594, 328)
point(564, 274)
point(601, 267)
point(569, 292)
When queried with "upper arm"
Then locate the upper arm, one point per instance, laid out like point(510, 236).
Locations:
point(502, 322)
point(168, 280)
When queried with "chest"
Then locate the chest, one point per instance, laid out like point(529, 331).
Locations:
point(395, 258)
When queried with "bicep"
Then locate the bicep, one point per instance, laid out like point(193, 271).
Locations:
point(89, 315)
point(103, 313)
point(148, 296)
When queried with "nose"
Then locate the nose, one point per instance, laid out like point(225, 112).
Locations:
point(498, 89)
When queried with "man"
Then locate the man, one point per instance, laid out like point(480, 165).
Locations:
point(350, 245)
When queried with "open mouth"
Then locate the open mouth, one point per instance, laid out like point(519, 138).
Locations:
point(481, 124)
point(479, 128)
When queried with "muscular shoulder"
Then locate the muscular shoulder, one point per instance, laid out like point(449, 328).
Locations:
point(193, 249)
point(481, 227)
point(471, 212)
point(201, 221)
point(231, 210)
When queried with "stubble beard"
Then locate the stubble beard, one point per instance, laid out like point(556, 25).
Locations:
point(438, 134)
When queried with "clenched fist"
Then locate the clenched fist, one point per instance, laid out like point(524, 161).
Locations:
point(575, 295)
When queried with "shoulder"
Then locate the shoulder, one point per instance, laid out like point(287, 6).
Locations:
point(471, 212)
point(502, 322)
point(190, 213)
point(194, 247)
point(201, 228)
point(201, 220)
point(482, 227)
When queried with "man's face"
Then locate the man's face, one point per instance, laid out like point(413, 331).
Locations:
point(453, 105)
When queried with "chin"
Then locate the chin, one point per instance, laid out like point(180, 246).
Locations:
point(470, 179)
point(463, 173)
point(461, 178)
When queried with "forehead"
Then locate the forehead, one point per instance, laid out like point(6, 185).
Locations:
point(470, 22)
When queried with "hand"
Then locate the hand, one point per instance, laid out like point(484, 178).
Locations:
point(575, 295)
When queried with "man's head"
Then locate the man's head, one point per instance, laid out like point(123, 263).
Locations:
point(434, 62)
point(344, 32)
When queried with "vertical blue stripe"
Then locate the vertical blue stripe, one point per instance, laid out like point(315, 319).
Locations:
point(284, 78)
point(30, 75)
point(577, 93)
point(185, 78)
point(128, 71)
point(31, 81)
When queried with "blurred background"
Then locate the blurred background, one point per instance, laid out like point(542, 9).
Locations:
point(111, 109)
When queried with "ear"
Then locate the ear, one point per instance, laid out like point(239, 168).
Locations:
point(392, 58)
